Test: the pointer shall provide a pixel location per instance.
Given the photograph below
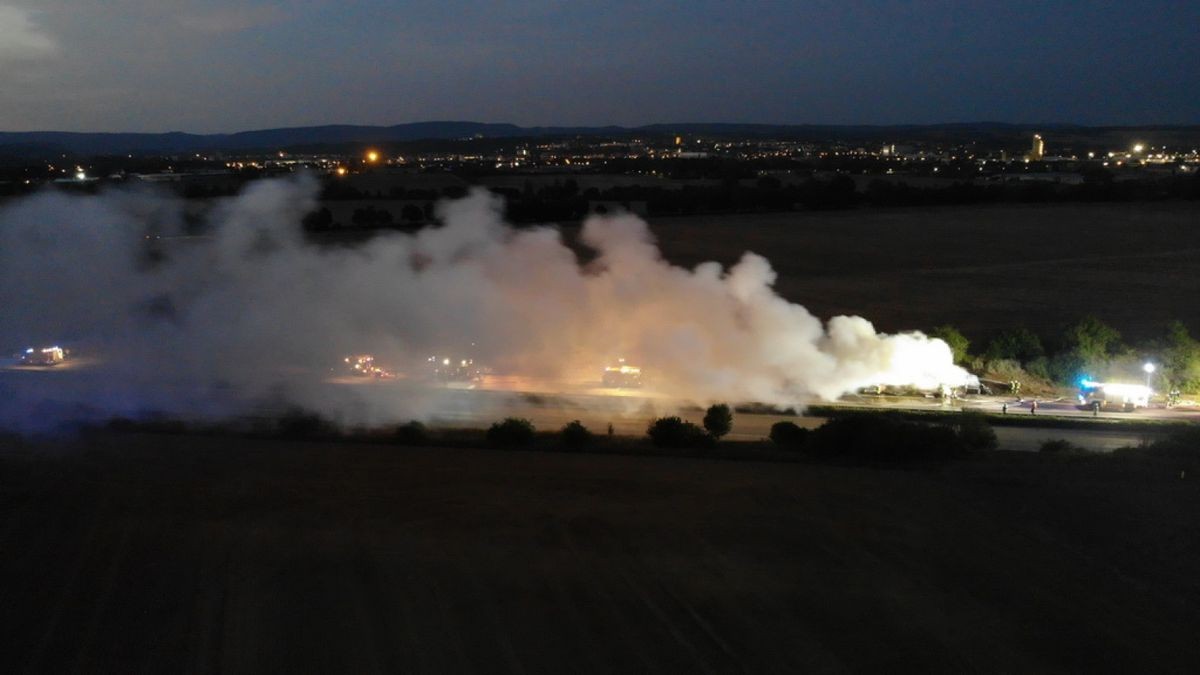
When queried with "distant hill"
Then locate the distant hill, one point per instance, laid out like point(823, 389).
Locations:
point(49, 143)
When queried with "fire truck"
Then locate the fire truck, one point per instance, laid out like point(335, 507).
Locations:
point(622, 376)
point(46, 356)
point(1113, 395)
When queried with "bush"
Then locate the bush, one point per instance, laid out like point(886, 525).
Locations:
point(1006, 369)
point(672, 432)
point(299, 423)
point(575, 435)
point(975, 433)
point(1180, 445)
point(1039, 368)
point(413, 433)
point(512, 432)
point(788, 435)
point(1059, 446)
point(884, 436)
point(122, 424)
point(154, 424)
point(718, 420)
point(1187, 437)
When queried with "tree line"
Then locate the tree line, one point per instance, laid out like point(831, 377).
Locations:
point(1088, 347)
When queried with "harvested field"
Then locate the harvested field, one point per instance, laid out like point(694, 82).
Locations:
point(981, 268)
point(141, 553)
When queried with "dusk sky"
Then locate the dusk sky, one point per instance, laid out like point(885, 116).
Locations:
point(219, 66)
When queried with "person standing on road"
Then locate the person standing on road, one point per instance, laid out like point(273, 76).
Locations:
point(1033, 408)
point(1004, 408)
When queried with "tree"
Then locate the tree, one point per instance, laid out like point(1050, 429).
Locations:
point(575, 435)
point(1092, 339)
point(412, 433)
point(672, 432)
point(718, 420)
point(511, 432)
point(321, 219)
point(371, 217)
point(1088, 346)
point(838, 193)
point(1067, 367)
point(1018, 344)
point(412, 213)
point(1180, 356)
point(363, 217)
point(959, 344)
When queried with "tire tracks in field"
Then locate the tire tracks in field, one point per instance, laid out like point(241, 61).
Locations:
point(107, 589)
point(68, 588)
point(625, 572)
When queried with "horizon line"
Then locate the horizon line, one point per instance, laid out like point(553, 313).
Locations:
point(620, 127)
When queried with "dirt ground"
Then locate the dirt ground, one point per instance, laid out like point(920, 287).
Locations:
point(978, 267)
point(144, 553)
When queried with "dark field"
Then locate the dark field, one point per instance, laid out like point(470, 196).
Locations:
point(981, 267)
point(142, 553)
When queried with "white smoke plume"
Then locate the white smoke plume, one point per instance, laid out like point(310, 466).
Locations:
point(251, 312)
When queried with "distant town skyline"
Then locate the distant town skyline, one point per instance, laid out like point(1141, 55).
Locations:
point(223, 66)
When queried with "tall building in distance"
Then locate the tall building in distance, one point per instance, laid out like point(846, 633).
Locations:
point(1038, 149)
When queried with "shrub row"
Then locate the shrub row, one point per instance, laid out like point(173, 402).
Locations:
point(886, 436)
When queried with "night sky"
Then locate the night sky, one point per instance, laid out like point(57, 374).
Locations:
point(160, 65)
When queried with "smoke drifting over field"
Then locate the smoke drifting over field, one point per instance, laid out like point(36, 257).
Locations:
point(253, 313)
